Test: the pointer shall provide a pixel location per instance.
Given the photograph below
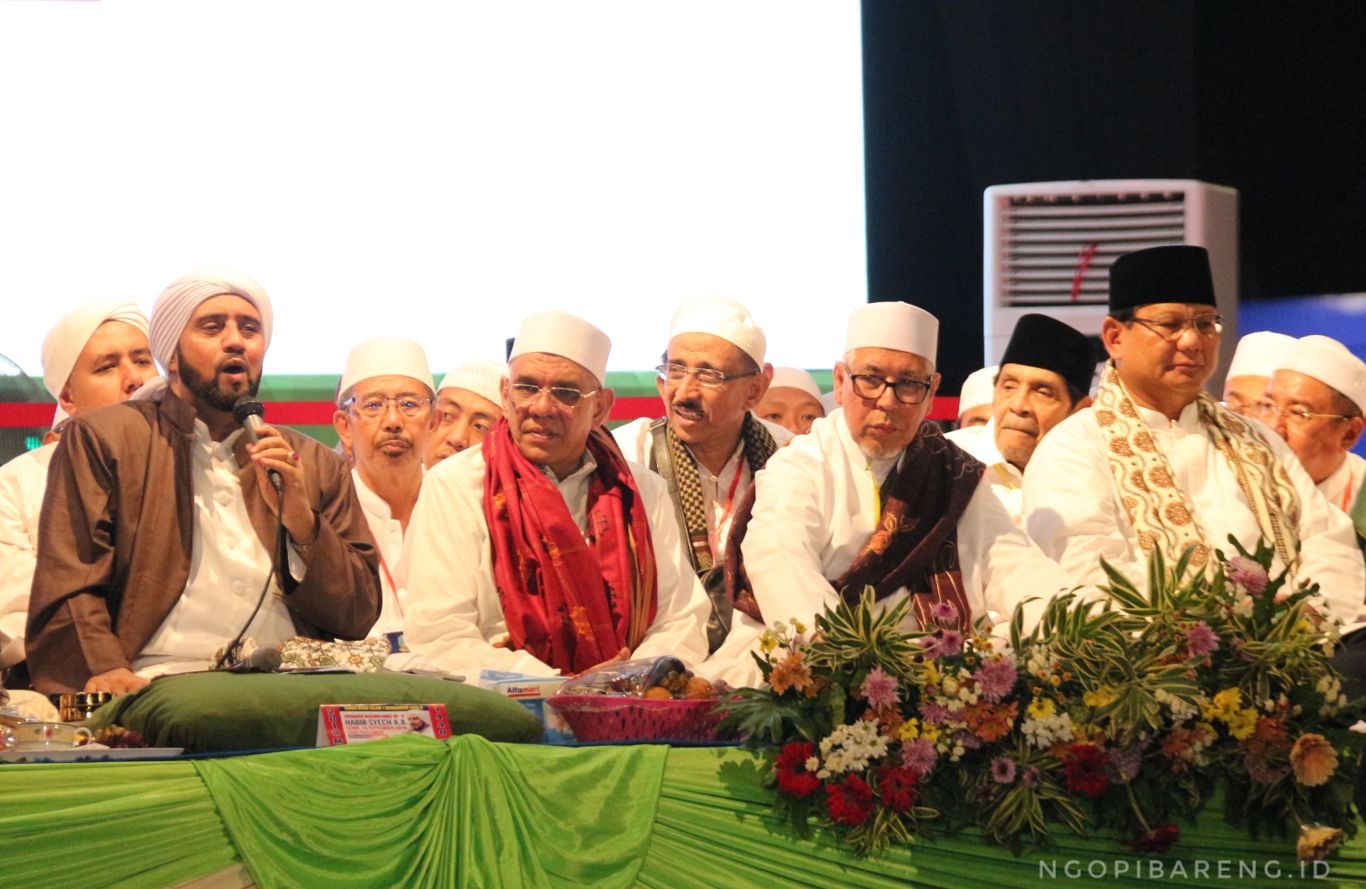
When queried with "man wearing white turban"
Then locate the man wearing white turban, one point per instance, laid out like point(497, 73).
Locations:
point(709, 445)
point(468, 404)
point(873, 496)
point(542, 550)
point(95, 356)
point(160, 519)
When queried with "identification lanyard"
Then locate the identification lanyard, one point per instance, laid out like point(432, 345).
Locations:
point(714, 535)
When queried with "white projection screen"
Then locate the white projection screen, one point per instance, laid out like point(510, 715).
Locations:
point(437, 169)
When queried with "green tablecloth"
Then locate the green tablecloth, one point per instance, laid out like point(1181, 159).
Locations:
point(410, 811)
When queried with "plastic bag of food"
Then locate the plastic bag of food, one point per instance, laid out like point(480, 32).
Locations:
point(655, 678)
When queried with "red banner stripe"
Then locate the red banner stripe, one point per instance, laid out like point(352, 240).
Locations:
point(27, 415)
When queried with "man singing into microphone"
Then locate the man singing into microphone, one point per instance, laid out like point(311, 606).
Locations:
point(159, 522)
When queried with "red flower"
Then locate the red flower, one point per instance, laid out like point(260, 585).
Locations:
point(1083, 767)
point(793, 777)
point(898, 786)
point(849, 803)
point(1156, 841)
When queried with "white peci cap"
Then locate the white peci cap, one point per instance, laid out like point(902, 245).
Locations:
point(899, 326)
point(724, 318)
point(562, 334)
point(1259, 354)
point(385, 356)
point(795, 378)
point(481, 377)
point(1330, 362)
point(978, 388)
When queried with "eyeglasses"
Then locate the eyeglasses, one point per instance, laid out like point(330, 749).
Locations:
point(375, 405)
point(526, 393)
point(1171, 329)
point(1268, 411)
point(675, 373)
point(906, 391)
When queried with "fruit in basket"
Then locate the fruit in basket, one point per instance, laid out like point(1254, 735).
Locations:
point(697, 689)
point(658, 693)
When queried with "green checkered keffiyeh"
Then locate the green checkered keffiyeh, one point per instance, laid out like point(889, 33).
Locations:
point(759, 446)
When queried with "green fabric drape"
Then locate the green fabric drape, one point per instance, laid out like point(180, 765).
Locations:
point(108, 824)
point(410, 811)
point(414, 812)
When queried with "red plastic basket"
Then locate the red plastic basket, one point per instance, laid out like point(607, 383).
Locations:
point(621, 718)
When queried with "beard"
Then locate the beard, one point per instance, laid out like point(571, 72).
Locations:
point(209, 390)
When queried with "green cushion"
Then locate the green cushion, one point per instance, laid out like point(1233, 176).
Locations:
point(212, 712)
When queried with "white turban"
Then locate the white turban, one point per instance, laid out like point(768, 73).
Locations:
point(179, 300)
point(978, 389)
point(65, 341)
point(480, 377)
point(385, 356)
point(1331, 363)
point(565, 335)
point(720, 317)
point(795, 378)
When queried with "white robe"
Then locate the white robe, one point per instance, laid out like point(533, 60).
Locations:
point(817, 505)
point(1342, 486)
point(22, 483)
point(453, 614)
point(637, 443)
point(388, 534)
point(1006, 480)
point(1073, 512)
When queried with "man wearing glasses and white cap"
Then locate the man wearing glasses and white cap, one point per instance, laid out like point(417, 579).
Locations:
point(1314, 401)
point(709, 445)
point(384, 415)
point(1156, 462)
point(1257, 355)
point(468, 404)
point(542, 550)
point(875, 496)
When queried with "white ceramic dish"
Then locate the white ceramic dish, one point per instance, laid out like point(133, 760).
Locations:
point(82, 754)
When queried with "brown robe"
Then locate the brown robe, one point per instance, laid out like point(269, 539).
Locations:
point(116, 535)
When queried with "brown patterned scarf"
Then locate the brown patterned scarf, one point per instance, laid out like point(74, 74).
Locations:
point(916, 543)
point(1160, 512)
point(759, 446)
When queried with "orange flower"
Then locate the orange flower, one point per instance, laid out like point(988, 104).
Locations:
point(1313, 759)
point(991, 722)
point(791, 672)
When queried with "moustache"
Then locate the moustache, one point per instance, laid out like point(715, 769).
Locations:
point(1029, 427)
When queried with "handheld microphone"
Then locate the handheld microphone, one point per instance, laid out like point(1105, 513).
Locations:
point(262, 660)
point(248, 412)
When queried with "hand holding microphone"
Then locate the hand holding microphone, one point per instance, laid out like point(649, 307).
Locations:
point(278, 468)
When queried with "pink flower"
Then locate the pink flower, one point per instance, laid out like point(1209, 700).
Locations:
point(879, 688)
point(944, 613)
point(919, 756)
point(1247, 574)
point(996, 677)
point(1003, 770)
point(1201, 640)
point(934, 712)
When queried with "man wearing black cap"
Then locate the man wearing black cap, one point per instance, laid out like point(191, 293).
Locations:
point(1155, 462)
point(1045, 374)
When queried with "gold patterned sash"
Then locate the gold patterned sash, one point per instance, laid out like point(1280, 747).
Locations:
point(1159, 511)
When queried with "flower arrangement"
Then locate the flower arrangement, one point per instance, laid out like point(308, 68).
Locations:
point(1123, 713)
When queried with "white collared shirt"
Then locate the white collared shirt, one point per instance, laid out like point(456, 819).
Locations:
point(22, 483)
point(1073, 510)
point(1007, 481)
point(1342, 486)
point(228, 567)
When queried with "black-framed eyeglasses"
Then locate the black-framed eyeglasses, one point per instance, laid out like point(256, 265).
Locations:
point(375, 405)
point(1171, 329)
point(526, 393)
point(871, 386)
point(1268, 410)
point(706, 376)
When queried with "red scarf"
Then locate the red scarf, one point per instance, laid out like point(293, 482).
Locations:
point(571, 603)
